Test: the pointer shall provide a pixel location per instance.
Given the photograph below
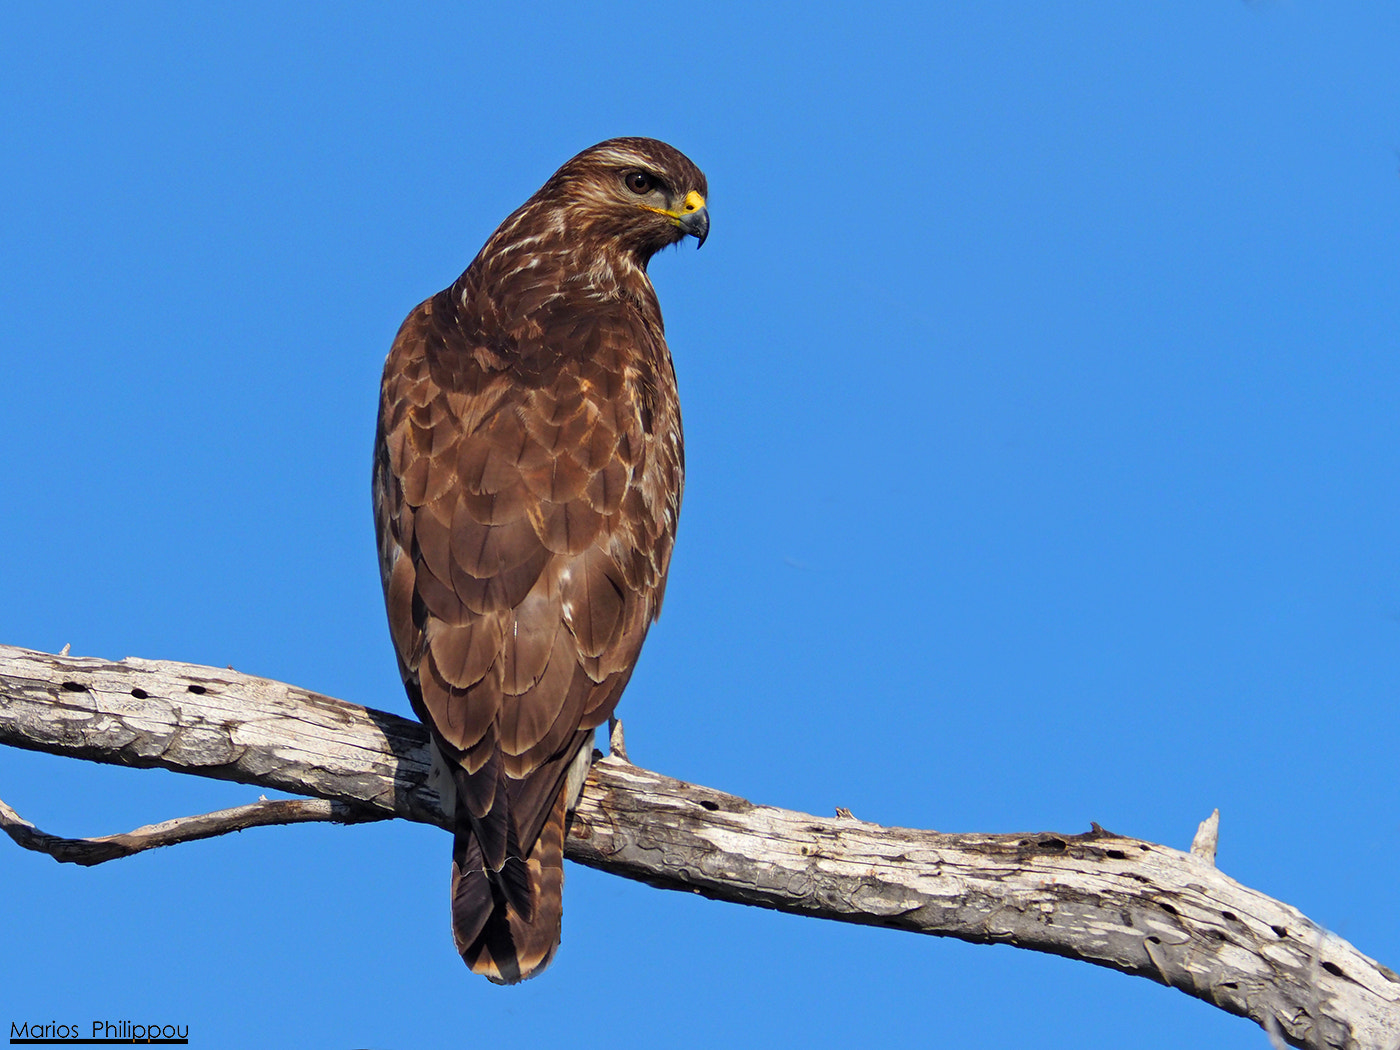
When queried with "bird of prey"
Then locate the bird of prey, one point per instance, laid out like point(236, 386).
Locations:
point(528, 469)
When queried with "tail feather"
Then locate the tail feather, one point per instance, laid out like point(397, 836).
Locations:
point(489, 841)
point(494, 939)
point(473, 898)
point(507, 904)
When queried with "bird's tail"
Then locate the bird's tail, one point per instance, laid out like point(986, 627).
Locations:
point(506, 915)
point(493, 936)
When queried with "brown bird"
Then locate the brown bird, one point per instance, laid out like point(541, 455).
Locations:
point(527, 480)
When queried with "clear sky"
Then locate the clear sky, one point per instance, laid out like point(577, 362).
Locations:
point(1040, 381)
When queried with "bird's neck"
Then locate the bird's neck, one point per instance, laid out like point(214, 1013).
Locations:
point(540, 275)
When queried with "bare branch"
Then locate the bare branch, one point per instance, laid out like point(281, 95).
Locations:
point(182, 829)
point(1207, 838)
point(1129, 905)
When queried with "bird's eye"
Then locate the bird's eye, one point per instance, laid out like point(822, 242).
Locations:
point(639, 182)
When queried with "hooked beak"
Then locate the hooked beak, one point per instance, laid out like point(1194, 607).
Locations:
point(694, 217)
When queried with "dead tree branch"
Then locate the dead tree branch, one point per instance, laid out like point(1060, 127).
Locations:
point(182, 829)
point(1129, 905)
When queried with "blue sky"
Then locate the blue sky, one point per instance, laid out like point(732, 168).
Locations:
point(1040, 385)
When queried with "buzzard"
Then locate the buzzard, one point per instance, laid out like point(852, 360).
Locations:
point(527, 479)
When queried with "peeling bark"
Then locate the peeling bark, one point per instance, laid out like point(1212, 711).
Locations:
point(1118, 902)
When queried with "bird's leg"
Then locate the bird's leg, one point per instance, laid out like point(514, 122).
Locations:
point(617, 746)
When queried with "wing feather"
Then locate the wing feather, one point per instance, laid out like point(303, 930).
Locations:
point(509, 609)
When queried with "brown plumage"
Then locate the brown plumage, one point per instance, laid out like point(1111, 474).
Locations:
point(527, 479)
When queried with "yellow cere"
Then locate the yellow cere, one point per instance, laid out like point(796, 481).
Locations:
point(693, 203)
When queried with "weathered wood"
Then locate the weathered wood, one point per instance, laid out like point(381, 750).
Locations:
point(99, 850)
point(216, 723)
point(1133, 906)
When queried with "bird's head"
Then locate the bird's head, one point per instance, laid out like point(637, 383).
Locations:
point(636, 195)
